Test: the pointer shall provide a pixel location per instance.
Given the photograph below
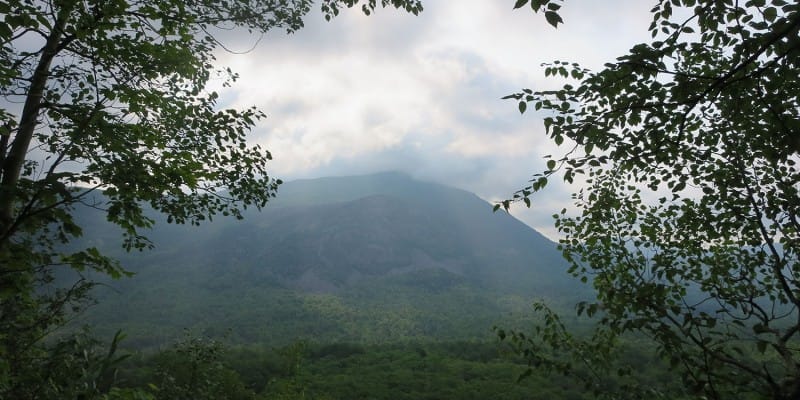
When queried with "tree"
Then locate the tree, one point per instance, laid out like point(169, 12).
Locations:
point(111, 97)
point(194, 369)
point(686, 154)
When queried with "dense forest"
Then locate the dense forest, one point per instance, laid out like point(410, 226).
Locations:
point(203, 368)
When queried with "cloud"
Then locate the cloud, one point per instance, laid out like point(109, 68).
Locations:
point(422, 94)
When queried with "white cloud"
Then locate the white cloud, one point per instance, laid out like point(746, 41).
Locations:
point(422, 94)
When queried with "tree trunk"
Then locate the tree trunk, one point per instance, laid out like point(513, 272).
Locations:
point(14, 160)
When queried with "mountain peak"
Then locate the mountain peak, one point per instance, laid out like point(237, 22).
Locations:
point(356, 245)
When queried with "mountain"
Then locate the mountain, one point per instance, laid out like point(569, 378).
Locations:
point(370, 258)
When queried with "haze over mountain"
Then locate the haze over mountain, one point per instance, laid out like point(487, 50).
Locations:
point(370, 258)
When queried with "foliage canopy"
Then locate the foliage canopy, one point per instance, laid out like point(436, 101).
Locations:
point(685, 156)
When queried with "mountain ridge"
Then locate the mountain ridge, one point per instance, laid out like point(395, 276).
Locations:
point(333, 258)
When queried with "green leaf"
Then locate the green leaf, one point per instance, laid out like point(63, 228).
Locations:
point(522, 107)
point(520, 3)
point(537, 4)
point(770, 14)
point(553, 18)
point(5, 31)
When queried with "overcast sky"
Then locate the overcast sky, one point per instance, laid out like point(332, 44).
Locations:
point(421, 94)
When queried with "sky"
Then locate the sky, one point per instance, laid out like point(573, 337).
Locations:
point(422, 94)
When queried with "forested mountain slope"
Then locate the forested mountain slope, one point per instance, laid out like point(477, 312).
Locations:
point(368, 258)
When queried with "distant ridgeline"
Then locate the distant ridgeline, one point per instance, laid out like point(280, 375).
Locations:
point(376, 258)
